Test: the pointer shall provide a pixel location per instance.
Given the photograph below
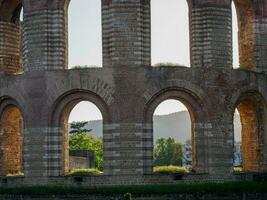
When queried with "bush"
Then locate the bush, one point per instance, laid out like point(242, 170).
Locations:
point(127, 196)
point(89, 171)
point(238, 169)
point(168, 64)
point(170, 169)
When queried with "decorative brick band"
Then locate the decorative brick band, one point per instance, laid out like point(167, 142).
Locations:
point(10, 53)
point(45, 40)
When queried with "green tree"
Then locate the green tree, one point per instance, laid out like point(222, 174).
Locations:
point(167, 152)
point(78, 127)
point(82, 139)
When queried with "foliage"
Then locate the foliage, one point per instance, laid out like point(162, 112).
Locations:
point(85, 141)
point(82, 139)
point(168, 64)
point(238, 186)
point(89, 171)
point(168, 152)
point(84, 66)
point(78, 127)
point(127, 196)
point(238, 169)
point(170, 169)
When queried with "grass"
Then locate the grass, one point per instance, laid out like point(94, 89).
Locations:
point(81, 172)
point(170, 169)
point(145, 189)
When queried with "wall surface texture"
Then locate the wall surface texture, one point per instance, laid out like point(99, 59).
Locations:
point(127, 89)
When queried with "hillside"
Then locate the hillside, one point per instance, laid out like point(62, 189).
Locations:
point(176, 125)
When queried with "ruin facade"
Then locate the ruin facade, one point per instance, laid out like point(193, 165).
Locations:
point(36, 99)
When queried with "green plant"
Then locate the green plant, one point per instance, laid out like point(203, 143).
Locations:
point(89, 171)
point(170, 169)
point(168, 64)
point(167, 152)
point(127, 196)
point(238, 169)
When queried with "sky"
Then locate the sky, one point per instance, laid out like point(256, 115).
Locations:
point(169, 43)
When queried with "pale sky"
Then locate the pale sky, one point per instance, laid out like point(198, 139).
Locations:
point(169, 43)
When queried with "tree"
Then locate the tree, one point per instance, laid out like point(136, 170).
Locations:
point(78, 127)
point(167, 152)
point(82, 139)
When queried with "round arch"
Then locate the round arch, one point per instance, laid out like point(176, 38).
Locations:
point(61, 111)
point(11, 138)
point(70, 99)
point(252, 109)
point(197, 114)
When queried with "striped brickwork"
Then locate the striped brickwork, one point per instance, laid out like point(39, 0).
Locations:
point(126, 33)
point(211, 36)
point(45, 43)
point(127, 148)
point(9, 47)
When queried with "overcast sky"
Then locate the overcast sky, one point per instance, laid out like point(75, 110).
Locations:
point(170, 43)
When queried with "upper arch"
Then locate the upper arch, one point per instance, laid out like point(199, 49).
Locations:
point(69, 99)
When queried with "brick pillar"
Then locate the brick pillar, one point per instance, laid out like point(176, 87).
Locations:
point(9, 47)
point(10, 54)
point(126, 32)
point(45, 35)
point(261, 35)
point(210, 33)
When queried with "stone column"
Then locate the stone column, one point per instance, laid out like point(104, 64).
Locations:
point(10, 45)
point(261, 35)
point(45, 35)
point(210, 33)
point(126, 33)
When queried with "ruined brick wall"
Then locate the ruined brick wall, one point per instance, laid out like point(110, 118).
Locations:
point(126, 33)
point(127, 89)
point(11, 142)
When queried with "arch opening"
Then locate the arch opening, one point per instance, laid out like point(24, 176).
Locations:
point(235, 37)
point(11, 142)
point(83, 137)
point(85, 34)
point(173, 136)
point(249, 136)
point(170, 38)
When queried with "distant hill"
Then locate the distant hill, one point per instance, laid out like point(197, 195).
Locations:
point(176, 125)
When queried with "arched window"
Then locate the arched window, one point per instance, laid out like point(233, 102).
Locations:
point(249, 139)
point(170, 33)
point(85, 37)
point(172, 133)
point(11, 142)
point(235, 37)
point(237, 142)
point(83, 146)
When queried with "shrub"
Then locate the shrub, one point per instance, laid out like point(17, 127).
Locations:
point(127, 196)
point(170, 169)
point(238, 169)
point(89, 171)
point(168, 64)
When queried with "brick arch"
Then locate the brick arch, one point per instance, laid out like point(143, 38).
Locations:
point(11, 138)
point(197, 115)
point(10, 10)
point(69, 99)
point(252, 109)
point(59, 120)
